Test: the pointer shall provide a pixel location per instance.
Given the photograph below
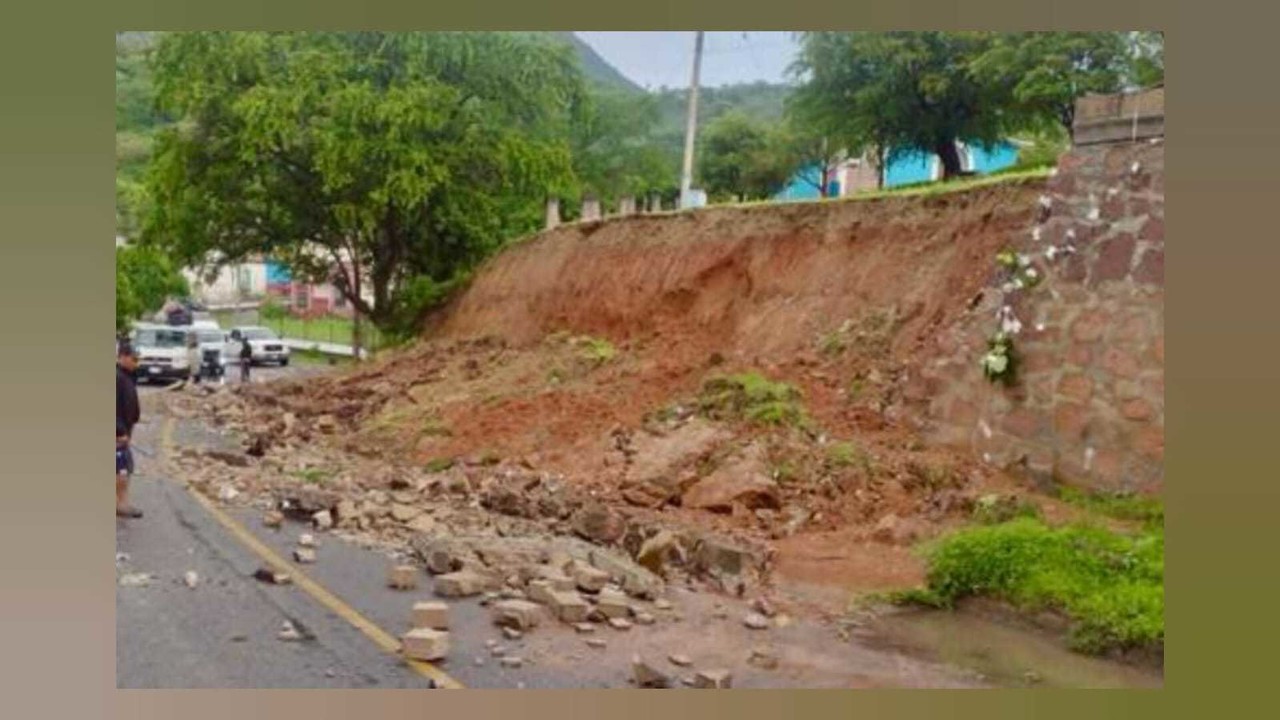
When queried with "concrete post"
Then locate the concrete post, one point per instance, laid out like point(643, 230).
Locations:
point(553, 213)
point(626, 206)
point(655, 203)
point(590, 208)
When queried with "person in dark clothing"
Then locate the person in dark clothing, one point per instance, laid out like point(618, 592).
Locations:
point(128, 412)
point(246, 359)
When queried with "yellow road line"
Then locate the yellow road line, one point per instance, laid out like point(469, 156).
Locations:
point(381, 637)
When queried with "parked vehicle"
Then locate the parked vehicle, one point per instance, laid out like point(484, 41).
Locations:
point(267, 347)
point(206, 353)
point(162, 352)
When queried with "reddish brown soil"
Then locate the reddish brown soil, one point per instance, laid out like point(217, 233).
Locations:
point(687, 296)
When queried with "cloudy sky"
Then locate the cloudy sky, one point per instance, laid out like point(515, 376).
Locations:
point(654, 59)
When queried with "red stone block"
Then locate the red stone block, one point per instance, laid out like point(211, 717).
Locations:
point(1149, 442)
point(1152, 230)
point(1076, 386)
point(1024, 423)
point(1070, 421)
point(1090, 326)
point(1080, 355)
point(1114, 259)
point(1150, 268)
point(1120, 363)
point(1137, 409)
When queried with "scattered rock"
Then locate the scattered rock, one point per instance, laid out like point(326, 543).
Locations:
point(135, 579)
point(584, 627)
point(288, 632)
point(518, 614)
point(228, 493)
point(646, 675)
point(596, 643)
point(191, 579)
point(323, 520)
point(306, 540)
point(713, 679)
point(432, 615)
point(273, 577)
point(540, 591)
point(403, 577)
point(618, 623)
point(273, 519)
point(463, 583)
point(613, 604)
point(662, 604)
point(636, 580)
point(511, 661)
point(745, 483)
point(680, 660)
point(304, 555)
point(597, 523)
point(404, 513)
point(512, 633)
point(440, 555)
point(425, 644)
point(659, 551)
point(497, 651)
point(763, 658)
point(590, 579)
point(423, 524)
point(721, 556)
point(568, 607)
point(756, 621)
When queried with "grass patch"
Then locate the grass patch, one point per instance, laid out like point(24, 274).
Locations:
point(843, 454)
point(596, 351)
point(1110, 584)
point(940, 187)
point(752, 397)
point(439, 465)
point(314, 476)
point(1119, 505)
point(995, 509)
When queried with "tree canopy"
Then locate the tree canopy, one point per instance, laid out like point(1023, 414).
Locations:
point(391, 156)
point(145, 279)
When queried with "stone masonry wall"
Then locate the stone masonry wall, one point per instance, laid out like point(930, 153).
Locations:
point(1088, 404)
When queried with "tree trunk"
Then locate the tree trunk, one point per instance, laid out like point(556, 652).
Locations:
point(949, 154)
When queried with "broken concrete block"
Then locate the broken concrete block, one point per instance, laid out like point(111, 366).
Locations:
point(463, 583)
point(540, 591)
point(756, 621)
point(518, 614)
point(568, 607)
point(648, 676)
point(431, 614)
point(620, 623)
point(306, 540)
point(273, 519)
point(304, 555)
point(323, 520)
point(613, 604)
point(584, 627)
point(425, 644)
point(713, 679)
point(636, 581)
point(403, 577)
point(590, 579)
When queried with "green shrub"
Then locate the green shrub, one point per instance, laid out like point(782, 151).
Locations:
point(754, 398)
point(1111, 585)
point(1119, 505)
point(272, 309)
point(994, 509)
point(439, 465)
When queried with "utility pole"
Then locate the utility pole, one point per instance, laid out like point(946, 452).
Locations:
point(686, 178)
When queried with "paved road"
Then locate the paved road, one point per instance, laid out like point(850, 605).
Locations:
point(223, 632)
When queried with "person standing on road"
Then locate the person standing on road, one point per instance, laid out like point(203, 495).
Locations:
point(246, 359)
point(128, 412)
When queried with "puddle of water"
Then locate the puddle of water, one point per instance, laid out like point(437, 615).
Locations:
point(1006, 655)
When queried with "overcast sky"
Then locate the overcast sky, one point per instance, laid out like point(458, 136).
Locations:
point(654, 59)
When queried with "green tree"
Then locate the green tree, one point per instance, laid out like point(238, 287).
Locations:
point(386, 156)
point(1048, 71)
point(740, 156)
point(615, 147)
point(1146, 65)
point(145, 279)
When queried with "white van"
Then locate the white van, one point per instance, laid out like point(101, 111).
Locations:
point(162, 352)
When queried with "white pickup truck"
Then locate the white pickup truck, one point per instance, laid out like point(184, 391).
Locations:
point(266, 346)
point(162, 352)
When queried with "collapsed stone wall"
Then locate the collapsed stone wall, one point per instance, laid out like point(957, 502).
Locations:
point(1087, 406)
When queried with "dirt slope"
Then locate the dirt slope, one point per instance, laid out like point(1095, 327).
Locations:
point(585, 351)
